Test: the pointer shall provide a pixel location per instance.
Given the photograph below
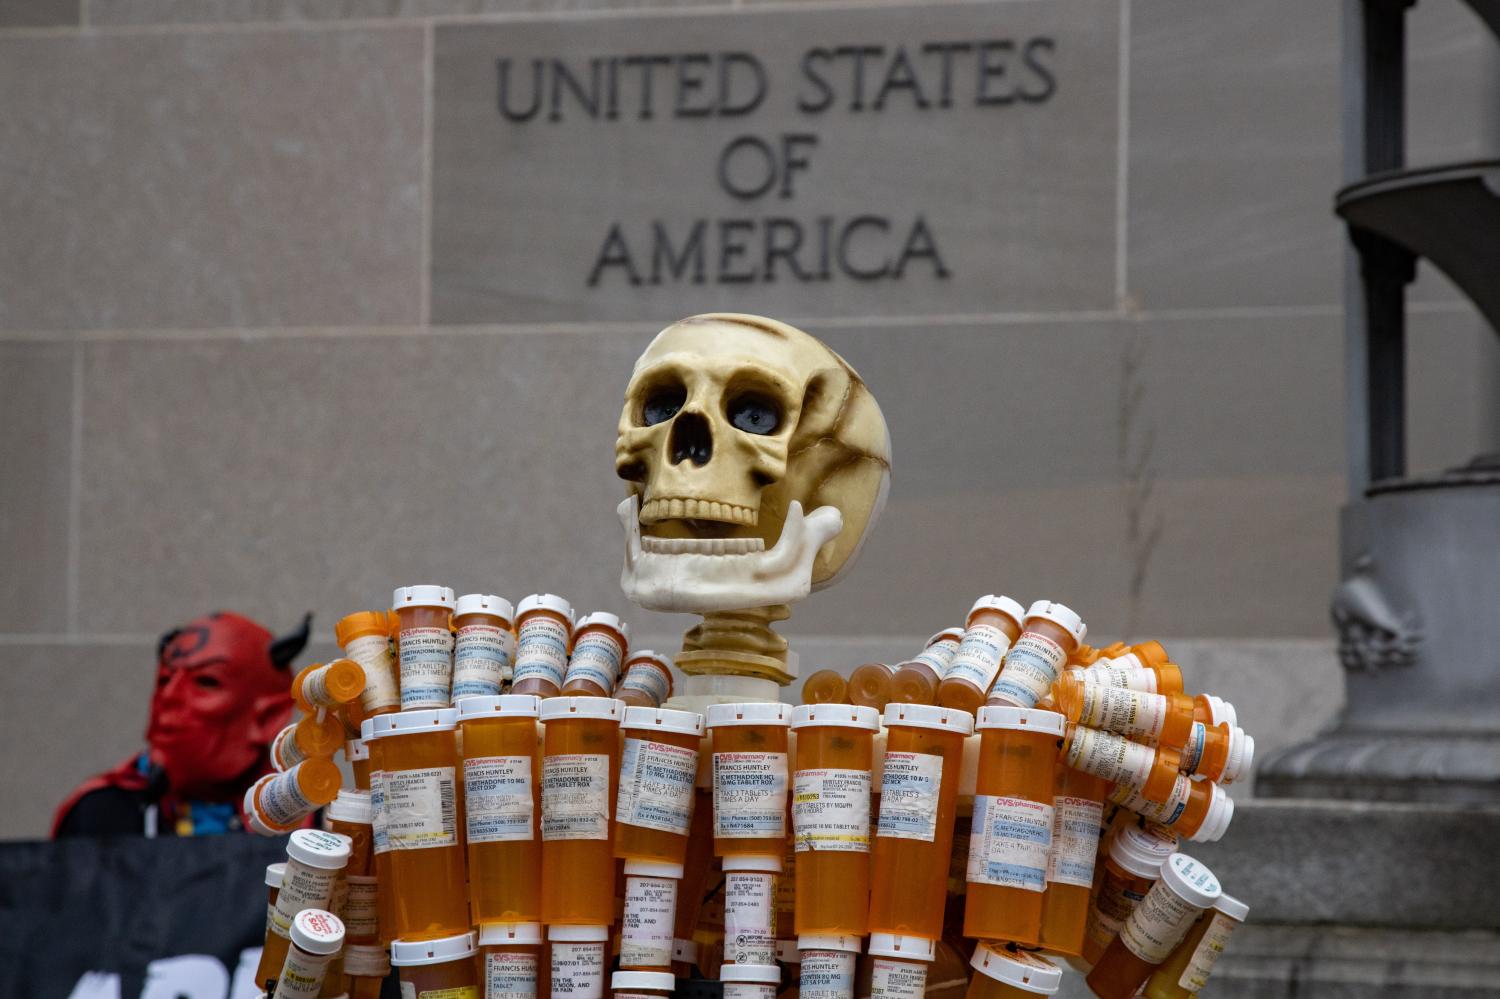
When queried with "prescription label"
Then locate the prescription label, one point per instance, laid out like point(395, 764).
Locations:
point(1008, 842)
point(831, 810)
point(361, 907)
point(827, 974)
point(373, 653)
point(426, 667)
point(596, 658)
point(1201, 965)
point(1128, 712)
point(1030, 669)
point(979, 655)
point(575, 796)
point(302, 975)
point(498, 802)
point(542, 651)
point(650, 679)
point(1075, 840)
point(656, 786)
point(1158, 924)
point(750, 795)
point(481, 660)
point(419, 808)
point(577, 970)
point(509, 975)
point(646, 930)
point(897, 979)
point(909, 796)
point(1113, 757)
point(749, 917)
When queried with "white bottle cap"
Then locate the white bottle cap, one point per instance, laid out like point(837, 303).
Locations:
point(351, 806)
point(411, 953)
point(1232, 907)
point(407, 722)
point(510, 934)
point(1150, 837)
point(484, 603)
point(647, 655)
point(754, 974)
point(907, 948)
point(1135, 859)
point(749, 713)
point(315, 848)
point(651, 981)
point(367, 729)
point(829, 941)
point(356, 749)
point(1021, 719)
point(638, 717)
point(545, 601)
point(578, 934)
point(565, 708)
point(1061, 615)
point(929, 716)
point(492, 706)
point(653, 869)
point(605, 618)
point(957, 634)
point(1241, 755)
point(1017, 968)
point(754, 864)
point(317, 932)
point(1190, 880)
point(1221, 711)
point(1011, 608)
point(835, 715)
point(425, 595)
point(274, 874)
point(1216, 821)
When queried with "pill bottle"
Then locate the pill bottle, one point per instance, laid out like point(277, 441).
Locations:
point(484, 645)
point(750, 981)
point(314, 859)
point(544, 630)
point(364, 637)
point(898, 965)
point(642, 984)
point(580, 760)
point(693, 889)
point(916, 680)
point(749, 778)
point(1049, 635)
point(316, 937)
point(357, 753)
point(649, 916)
point(577, 955)
point(502, 816)
point(994, 622)
point(1187, 971)
point(281, 801)
point(274, 874)
point(305, 739)
point(750, 909)
point(328, 686)
point(914, 834)
point(510, 956)
point(350, 814)
point(831, 817)
point(825, 686)
point(870, 685)
point(658, 765)
point(1077, 817)
point(1008, 973)
point(380, 846)
point(425, 646)
point(1155, 927)
point(1222, 753)
point(827, 964)
point(647, 680)
point(599, 644)
point(419, 764)
point(1131, 867)
point(366, 966)
point(1010, 834)
point(1131, 672)
point(1175, 720)
point(1197, 809)
point(441, 968)
point(1152, 770)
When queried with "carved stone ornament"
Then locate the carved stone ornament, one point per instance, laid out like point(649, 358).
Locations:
point(1373, 633)
point(758, 461)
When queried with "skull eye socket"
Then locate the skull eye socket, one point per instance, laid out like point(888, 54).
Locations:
point(662, 404)
point(754, 413)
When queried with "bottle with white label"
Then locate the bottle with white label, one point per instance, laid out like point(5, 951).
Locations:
point(692, 891)
point(1050, 634)
point(316, 937)
point(1010, 834)
point(314, 859)
point(642, 984)
point(1155, 927)
point(994, 622)
point(578, 955)
point(502, 814)
point(750, 778)
point(658, 766)
point(328, 686)
point(419, 822)
point(1152, 770)
point(580, 767)
point(1005, 972)
point(916, 680)
point(1187, 970)
point(914, 832)
point(897, 966)
point(484, 645)
point(600, 642)
point(750, 981)
point(1197, 809)
point(424, 647)
point(750, 910)
point(309, 737)
point(279, 802)
point(649, 915)
point(1130, 868)
point(274, 874)
point(544, 633)
point(443, 968)
point(1175, 720)
point(647, 680)
point(365, 637)
point(827, 964)
point(831, 817)
point(350, 815)
point(1077, 815)
point(510, 956)
point(366, 966)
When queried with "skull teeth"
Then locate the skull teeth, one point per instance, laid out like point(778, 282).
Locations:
point(702, 546)
point(681, 508)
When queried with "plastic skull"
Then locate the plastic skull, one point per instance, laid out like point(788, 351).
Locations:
point(757, 460)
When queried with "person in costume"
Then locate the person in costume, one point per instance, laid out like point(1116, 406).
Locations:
point(222, 693)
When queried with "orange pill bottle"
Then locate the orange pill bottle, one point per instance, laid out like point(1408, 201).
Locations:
point(1155, 927)
point(647, 682)
point(1151, 770)
point(329, 686)
point(994, 622)
point(1002, 972)
point(1130, 869)
point(1050, 633)
point(1011, 832)
point(658, 766)
point(274, 874)
point(510, 959)
point(826, 686)
point(1134, 673)
point(367, 966)
point(424, 648)
point(916, 681)
point(306, 739)
point(750, 778)
point(313, 861)
point(1186, 972)
point(1077, 817)
point(279, 802)
point(1174, 720)
point(316, 937)
point(484, 645)
point(580, 765)
point(502, 816)
point(544, 630)
point(578, 955)
point(870, 685)
point(351, 815)
point(831, 817)
point(441, 968)
point(599, 644)
point(365, 637)
point(1197, 809)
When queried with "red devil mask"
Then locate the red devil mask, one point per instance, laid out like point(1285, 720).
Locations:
point(222, 694)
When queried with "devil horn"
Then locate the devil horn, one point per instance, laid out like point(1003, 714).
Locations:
point(285, 649)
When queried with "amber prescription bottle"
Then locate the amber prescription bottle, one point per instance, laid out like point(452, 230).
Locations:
point(1130, 869)
point(366, 966)
point(316, 937)
point(826, 686)
point(599, 644)
point(1133, 672)
point(870, 685)
point(1008, 973)
point(831, 817)
point(329, 686)
point(1155, 927)
point(916, 680)
point(579, 770)
point(443, 968)
point(1077, 815)
point(1167, 719)
point(544, 629)
point(1197, 809)
point(750, 981)
point(357, 752)
point(642, 984)
point(750, 778)
point(380, 846)
point(425, 646)
point(351, 814)
point(501, 814)
point(1188, 969)
point(992, 625)
point(313, 861)
point(1049, 634)
point(898, 965)
point(510, 956)
point(647, 682)
point(750, 909)
point(484, 645)
point(650, 912)
point(419, 764)
point(658, 764)
point(578, 955)
point(364, 637)
point(274, 874)
point(281, 801)
point(305, 739)
point(827, 964)
point(1152, 770)
point(914, 834)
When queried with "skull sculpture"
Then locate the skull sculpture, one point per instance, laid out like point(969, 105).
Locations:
point(758, 461)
